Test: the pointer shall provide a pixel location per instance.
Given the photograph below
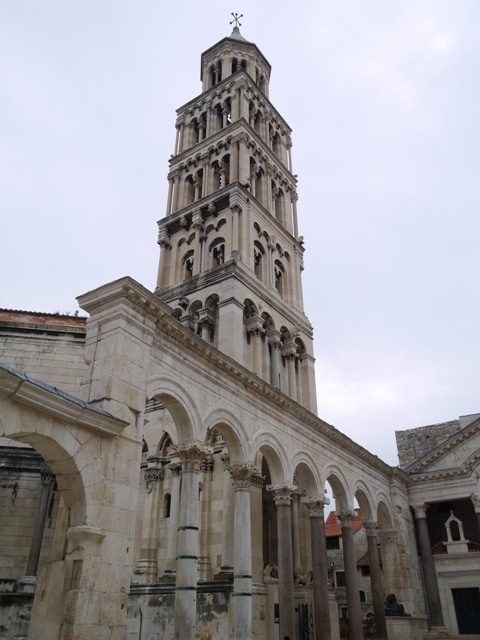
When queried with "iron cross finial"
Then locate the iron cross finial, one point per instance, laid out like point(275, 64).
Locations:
point(236, 19)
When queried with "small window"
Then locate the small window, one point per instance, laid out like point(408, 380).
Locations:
point(365, 571)
point(333, 542)
point(340, 579)
point(363, 597)
point(167, 501)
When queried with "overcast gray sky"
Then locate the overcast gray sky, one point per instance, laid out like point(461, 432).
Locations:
point(383, 98)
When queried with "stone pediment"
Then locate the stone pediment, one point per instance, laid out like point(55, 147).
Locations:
point(456, 454)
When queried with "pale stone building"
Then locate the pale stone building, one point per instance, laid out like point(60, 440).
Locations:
point(163, 468)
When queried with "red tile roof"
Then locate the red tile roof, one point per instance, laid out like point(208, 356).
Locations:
point(333, 528)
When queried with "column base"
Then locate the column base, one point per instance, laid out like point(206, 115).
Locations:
point(225, 573)
point(438, 632)
point(169, 575)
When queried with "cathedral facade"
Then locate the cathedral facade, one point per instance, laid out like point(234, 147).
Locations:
point(163, 468)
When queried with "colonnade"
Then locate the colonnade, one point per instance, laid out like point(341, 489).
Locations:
point(186, 186)
point(187, 542)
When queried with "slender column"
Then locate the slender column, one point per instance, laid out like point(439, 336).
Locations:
point(297, 557)
point(429, 573)
point(268, 188)
point(253, 182)
point(294, 200)
point(181, 133)
point(208, 130)
point(351, 577)
point(170, 563)
point(243, 161)
point(282, 496)
point(289, 350)
point(47, 478)
point(376, 581)
point(255, 329)
point(169, 196)
point(321, 601)
point(197, 224)
point(242, 578)
point(270, 263)
point(275, 355)
point(289, 154)
point(147, 563)
point(176, 192)
point(234, 160)
point(228, 518)
point(191, 458)
point(204, 563)
point(236, 210)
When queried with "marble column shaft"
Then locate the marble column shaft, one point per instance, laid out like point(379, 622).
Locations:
point(170, 564)
point(40, 517)
point(429, 573)
point(242, 578)
point(191, 458)
point(355, 624)
point(376, 581)
point(282, 496)
point(321, 601)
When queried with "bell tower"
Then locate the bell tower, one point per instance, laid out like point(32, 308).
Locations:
point(231, 257)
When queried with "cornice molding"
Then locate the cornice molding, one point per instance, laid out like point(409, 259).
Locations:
point(232, 269)
point(50, 401)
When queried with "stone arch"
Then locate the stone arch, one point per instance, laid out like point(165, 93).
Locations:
point(179, 404)
point(232, 431)
point(384, 514)
point(272, 451)
point(259, 260)
point(365, 501)
point(339, 486)
point(56, 442)
point(216, 253)
point(307, 479)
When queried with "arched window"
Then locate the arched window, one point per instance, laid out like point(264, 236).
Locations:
point(258, 256)
point(187, 265)
point(167, 502)
point(363, 597)
point(217, 253)
point(279, 278)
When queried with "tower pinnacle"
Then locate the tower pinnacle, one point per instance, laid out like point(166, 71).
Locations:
point(236, 20)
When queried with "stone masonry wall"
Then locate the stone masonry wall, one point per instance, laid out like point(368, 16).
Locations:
point(412, 444)
point(47, 347)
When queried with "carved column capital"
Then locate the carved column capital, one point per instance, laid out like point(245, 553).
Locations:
point(151, 475)
point(420, 510)
point(254, 325)
point(47, 476)
point(282, 494)
point(315, 505)
point(346, 518)
point(242, 475)
point(192, 455)
point(289, 350)
point(371, 527)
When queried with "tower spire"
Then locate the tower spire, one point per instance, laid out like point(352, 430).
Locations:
point(231, 257)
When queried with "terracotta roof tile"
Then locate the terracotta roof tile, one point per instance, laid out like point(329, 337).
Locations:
point(333, 528)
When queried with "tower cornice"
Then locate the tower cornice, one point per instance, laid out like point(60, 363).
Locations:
point(235, 269)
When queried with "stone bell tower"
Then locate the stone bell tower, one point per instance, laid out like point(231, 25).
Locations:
point(231, 257)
